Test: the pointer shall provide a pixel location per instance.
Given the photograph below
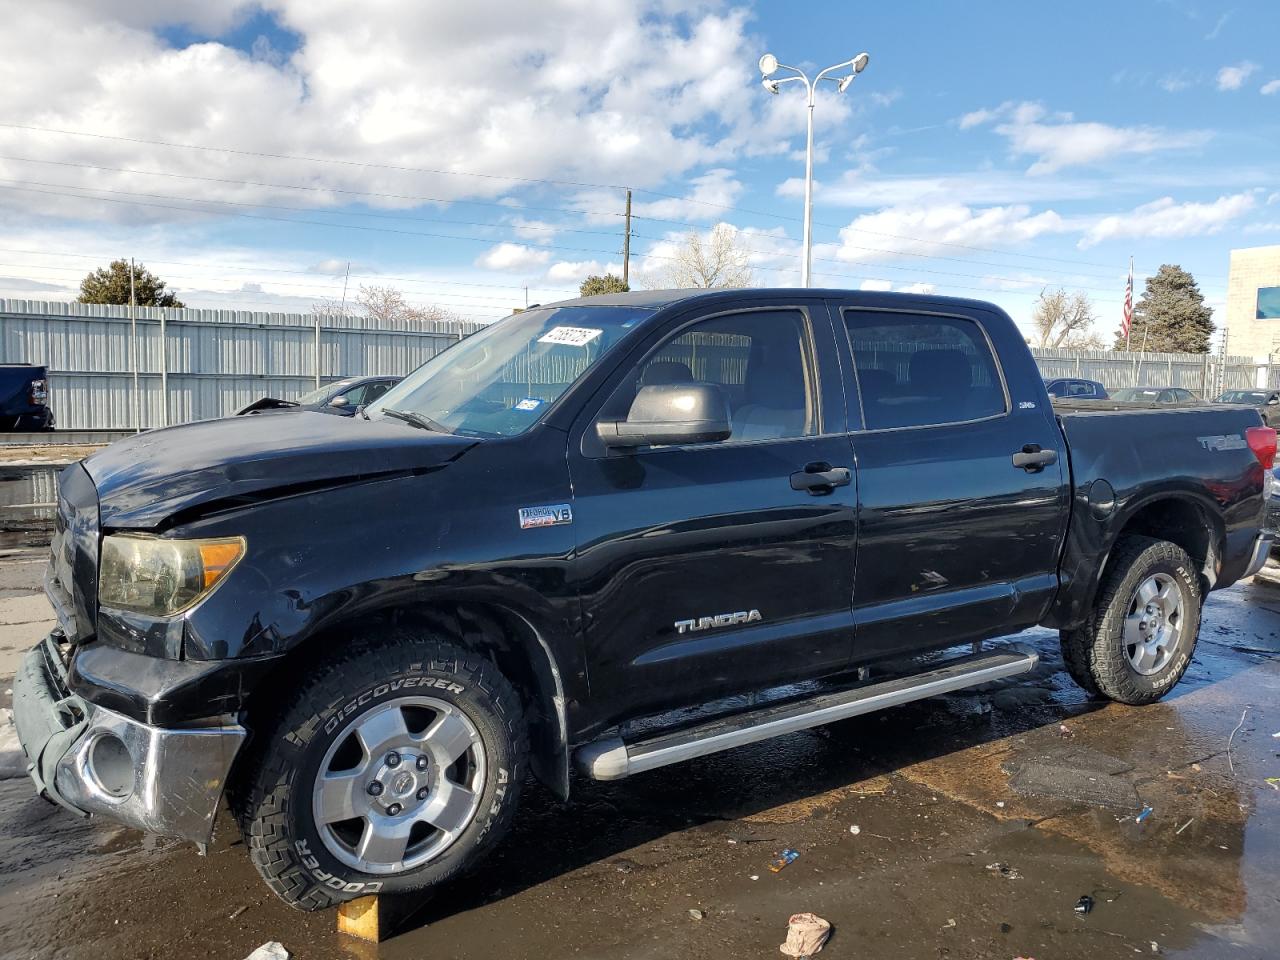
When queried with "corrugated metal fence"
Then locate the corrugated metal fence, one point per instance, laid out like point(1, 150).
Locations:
point(216, 361)
point(1206, 375)
point(212, 363)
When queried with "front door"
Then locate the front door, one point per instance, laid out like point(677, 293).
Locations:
point(716, 568)
point(956, 540)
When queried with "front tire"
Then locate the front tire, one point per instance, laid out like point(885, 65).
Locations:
point(395, 766)
point(1140, 639)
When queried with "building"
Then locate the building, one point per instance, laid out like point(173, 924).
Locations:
point(1253, 302)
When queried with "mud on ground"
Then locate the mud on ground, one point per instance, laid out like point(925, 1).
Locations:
point(982, 818)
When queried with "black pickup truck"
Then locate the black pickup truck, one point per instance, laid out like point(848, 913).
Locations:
point(24, 397)
point(584, 517)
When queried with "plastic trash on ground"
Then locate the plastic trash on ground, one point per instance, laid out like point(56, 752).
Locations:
point(271, 950)
point(806, 935)
point(788, 856)
point(1084, 904)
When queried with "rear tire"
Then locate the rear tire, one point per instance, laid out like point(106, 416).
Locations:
point(395, 766)
point(1139, 640)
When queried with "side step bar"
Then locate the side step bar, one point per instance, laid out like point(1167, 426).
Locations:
point(612, 759)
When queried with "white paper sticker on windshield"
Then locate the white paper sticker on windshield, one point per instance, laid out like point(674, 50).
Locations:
point(573, 336)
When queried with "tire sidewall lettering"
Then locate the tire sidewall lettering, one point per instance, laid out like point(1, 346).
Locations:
point(363, 699)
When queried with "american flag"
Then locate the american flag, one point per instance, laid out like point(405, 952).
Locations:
point(1128, 305)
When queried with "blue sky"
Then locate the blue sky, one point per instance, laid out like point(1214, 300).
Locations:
point(250, 151)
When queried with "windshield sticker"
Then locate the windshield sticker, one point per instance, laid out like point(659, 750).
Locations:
point(571, 336)
point(548, 516)
point(529, 403)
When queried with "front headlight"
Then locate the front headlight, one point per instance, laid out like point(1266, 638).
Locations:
point(162, 577)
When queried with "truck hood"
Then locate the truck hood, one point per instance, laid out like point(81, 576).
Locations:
point(217, 464)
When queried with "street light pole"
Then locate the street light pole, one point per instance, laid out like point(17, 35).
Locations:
point(769, 65)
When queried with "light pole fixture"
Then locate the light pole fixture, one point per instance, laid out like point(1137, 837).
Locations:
point(769, 65)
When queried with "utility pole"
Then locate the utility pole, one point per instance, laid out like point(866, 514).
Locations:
point(133, 338)
point(626, 246)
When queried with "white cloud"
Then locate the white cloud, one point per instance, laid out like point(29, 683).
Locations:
point(878, 285)
point(1058, 140)
point(1176, 82)
point(1233, 77)
point(575, 271)
point(556, 90)
point(888, 234)
point(1166, 218)
point(1270, 87)
point(539, 231)
point(512, 256)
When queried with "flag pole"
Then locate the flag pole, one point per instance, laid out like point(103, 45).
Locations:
point(1128, 308)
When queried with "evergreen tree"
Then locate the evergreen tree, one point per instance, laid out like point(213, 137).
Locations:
point(111, 285)
point(593, 286)
point(1172, 316)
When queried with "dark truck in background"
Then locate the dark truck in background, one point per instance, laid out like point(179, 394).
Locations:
point(546, 541)
point(24, 397)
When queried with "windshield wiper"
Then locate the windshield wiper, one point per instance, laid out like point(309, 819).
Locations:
point(417, 419)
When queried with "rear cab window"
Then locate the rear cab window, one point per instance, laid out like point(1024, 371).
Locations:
point(918, 370)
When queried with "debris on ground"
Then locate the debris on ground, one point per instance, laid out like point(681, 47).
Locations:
point(855, 829)
point(806, 935)
point(1244, 713)
point(1146, 812)
point(1084, 905)
point(1004, 870)
point(238, 910)
point(788, 856)
point(272, 950)
point(1273, 782)
point(696, 914)
point(950, 924)
point(1184, 826)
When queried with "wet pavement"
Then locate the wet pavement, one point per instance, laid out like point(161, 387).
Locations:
point(982, 818)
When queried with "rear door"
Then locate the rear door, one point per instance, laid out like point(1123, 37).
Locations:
point(956, 542)
point(714, 568)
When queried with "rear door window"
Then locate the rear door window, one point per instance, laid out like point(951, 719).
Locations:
point(919, 370)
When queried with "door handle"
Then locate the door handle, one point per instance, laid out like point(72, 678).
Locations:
point(820, 478)
point(1032, 459)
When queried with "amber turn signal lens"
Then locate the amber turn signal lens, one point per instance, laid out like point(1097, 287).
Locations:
point(217, 558)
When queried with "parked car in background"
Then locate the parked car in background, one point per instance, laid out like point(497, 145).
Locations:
point(24, 396)
point(1154, 395)
point(1075, 388)
point(344, 397)
point(1267, 402)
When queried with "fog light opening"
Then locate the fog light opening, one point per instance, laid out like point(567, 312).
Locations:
point(110, 766)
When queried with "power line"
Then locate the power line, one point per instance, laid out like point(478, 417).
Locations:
point(301, 273)
point(535, 180)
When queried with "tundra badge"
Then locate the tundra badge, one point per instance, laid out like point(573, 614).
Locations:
point(548, 516)
point(719, 620)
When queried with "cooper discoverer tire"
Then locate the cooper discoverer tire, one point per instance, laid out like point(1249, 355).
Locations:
point(396, 765)
point(1139, 640)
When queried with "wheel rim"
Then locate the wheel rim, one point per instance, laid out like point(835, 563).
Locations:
point(1153, 625)
point(399, 785)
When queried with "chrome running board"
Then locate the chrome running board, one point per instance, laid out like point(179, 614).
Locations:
point(613, 759)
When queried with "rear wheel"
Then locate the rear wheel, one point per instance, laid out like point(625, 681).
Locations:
point(1139, 641)
point(395, 767)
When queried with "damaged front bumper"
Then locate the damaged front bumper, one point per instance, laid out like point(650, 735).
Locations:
point(91, 760)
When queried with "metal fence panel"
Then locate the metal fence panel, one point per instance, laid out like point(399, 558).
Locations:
point(213, 361)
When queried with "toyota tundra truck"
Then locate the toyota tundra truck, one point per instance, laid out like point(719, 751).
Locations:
point(527, 557)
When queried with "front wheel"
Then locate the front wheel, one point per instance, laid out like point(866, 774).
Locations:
point(1139, 641)
point(395, 767)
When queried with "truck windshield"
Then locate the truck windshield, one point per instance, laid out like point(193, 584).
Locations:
point(501, 381)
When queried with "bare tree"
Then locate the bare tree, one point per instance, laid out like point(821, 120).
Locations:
point(387, 306)
point(1064, 319)
point(717, 260)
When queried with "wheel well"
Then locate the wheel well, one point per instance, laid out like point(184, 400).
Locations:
point(504, 637)
point(1187, 524)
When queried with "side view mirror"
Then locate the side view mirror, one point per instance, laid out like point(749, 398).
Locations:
point(340, 402)
point(670, 413)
